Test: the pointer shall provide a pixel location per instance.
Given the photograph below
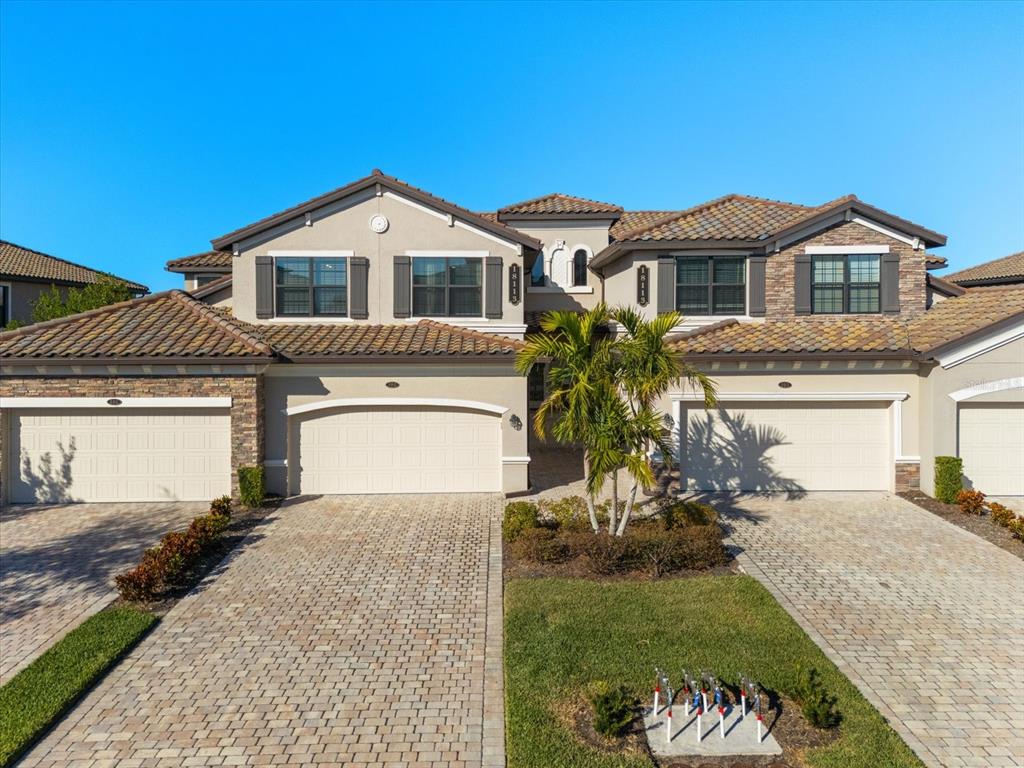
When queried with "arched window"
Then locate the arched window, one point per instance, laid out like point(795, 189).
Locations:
point(579, 267)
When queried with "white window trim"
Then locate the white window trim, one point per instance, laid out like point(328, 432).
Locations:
point(126, 402)
point(320, 319)
point(449, 253)
point(987, 388)
point(314, 254)
point(714, 318)
point(371, 402)
point(843, 250)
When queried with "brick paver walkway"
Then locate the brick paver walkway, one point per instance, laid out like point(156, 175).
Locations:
point(57, 567)
point(346, 631)
point(925, 618)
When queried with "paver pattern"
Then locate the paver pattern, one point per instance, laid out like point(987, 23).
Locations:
point(924, 617)
point(345, 631)
point(57, 567)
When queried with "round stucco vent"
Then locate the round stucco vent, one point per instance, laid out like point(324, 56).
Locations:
point(379, 223)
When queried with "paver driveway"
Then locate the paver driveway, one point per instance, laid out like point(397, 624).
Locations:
point(924, 617)
point(346, 631)
point(57, 567)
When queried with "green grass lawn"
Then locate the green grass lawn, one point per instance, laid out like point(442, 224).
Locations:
point(32, 700)
point(561, 635)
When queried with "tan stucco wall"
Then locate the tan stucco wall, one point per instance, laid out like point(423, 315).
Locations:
point(345, 226)
point(940, 423)
point(620, 282)
point(23, 295)
point(291, 385)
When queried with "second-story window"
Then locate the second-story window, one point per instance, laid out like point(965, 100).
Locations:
point(311, 287)
point(447, 287)
point(579, 268)
point(711, 285)
point(846, 284)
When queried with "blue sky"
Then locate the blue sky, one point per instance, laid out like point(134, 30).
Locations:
point(133, 133)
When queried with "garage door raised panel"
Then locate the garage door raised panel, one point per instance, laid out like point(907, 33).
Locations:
point(992, 448)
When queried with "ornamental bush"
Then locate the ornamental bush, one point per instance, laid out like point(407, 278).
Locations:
point(971, 502)
point(1001, 515)
point(540, 545)
point(675, 513)
point(1017, 527)
point(569, 513)
point(221, 506)
point(949, 471)
point(817, 704)
point(613, 711)
point(519, 516)
point(251, 488)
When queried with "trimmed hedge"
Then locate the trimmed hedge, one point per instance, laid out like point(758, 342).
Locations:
point(520, 516)
point(949, 473)
point(251, 486)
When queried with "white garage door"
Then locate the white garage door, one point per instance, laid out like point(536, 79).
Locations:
point(399, 450)
point(134, 455)
point(992, 448)
point(793, 446)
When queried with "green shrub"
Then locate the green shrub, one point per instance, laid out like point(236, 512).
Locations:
point(251, 488)
point(221, 506)
point(207, 528)
point(540, 545)
point(817, 704)
point(613, 711)
point(971, 502)
point(1001, 515)
point(519, 516)
point(569, 513)
point(1016, 527)
point(675, 513)
point(664, 551)
point(949, 471)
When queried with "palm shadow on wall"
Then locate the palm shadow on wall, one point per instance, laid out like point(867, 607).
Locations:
point(50, 479)
point(725, 451)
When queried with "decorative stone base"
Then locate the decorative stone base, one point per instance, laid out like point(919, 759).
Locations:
point(908, 476)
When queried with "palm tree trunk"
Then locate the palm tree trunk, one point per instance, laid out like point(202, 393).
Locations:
point(591, 510)
point(613, 516)
point(628, 511)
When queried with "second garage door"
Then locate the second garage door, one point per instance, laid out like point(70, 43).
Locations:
point(398, 450)
point(792, 446)
point(992, 448)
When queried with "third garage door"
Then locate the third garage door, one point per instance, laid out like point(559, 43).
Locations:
point(791, 446)
point(401, 449)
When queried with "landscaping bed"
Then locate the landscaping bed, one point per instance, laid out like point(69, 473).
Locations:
point(980, 525)
point(564, 636)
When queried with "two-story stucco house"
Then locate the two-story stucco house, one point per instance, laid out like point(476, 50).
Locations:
point(364, 342)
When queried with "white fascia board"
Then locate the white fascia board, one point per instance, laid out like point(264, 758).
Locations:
point(797, 397)
point(844, 250)
point(125, 402)
point(961, 354)
point(912, 241)
point(987, 387)
point(373, 402)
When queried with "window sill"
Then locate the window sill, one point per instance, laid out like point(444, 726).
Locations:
point(581, 289)
point(326, 320)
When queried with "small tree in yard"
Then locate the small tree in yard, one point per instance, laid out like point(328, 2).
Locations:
point(53, 304)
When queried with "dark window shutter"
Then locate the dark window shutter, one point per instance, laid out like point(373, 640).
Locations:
point(666, 284)
point(492, 290)
point(755, 278)
point(890, 278)
point(802, 284)
point(359, 268)
point(264, 287)
point(403, 285)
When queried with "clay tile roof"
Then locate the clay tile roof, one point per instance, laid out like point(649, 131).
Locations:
point(1009, 269)
point(427, 338)
point(557, 203)
point(213, 261)
point(933, 261)
point(18, 261)
point(165, 326)
point(946, 322)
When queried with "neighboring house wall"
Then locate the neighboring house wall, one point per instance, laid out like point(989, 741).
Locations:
point(939, 428)
point(221, 298)
point(23, 296)
point(245, 391)
point(291, 385)
point(345, 226)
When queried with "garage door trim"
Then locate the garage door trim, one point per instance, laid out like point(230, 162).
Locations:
point(22, 403)
point(369, 402)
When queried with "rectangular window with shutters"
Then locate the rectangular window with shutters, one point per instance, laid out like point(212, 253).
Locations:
point(849, 284)
point(711, 285)
point(311, 286)
point(447, 287)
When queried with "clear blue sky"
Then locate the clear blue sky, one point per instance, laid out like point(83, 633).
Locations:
point(133, 133)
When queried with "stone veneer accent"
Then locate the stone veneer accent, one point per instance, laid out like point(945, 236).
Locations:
point(779, 272)
point(908, 476)
point(246, 393)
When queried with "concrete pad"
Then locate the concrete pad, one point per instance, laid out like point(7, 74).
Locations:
point(740, 734)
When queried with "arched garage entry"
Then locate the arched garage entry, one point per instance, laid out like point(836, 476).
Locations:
point(382, 445)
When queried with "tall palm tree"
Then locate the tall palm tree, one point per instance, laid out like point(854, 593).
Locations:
point(580, 366)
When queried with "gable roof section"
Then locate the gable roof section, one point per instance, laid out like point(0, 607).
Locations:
point(376, 178)
point(558, 205)
point(163, 327)
point(947, 322)
point(207, 261)
point(222, 282)
point(17, 261)
point(944, 287)
point(1008, 269)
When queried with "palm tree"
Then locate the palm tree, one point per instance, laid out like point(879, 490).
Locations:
point(580, 366)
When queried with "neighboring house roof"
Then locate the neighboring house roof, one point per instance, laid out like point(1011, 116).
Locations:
point(163, 327)
point(1008, 269)
point(207, 261)
point(426, 338)
point(376, 178)
point(939, 285)
point(17, 261)
point(631, 220)
point(557, 204)
point(222, 282)
point(947, 322)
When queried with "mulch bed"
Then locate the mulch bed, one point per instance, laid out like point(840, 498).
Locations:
point(578, 568)
point(979, 525)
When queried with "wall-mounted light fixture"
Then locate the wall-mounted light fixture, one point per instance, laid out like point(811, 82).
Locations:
point(516, 422)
